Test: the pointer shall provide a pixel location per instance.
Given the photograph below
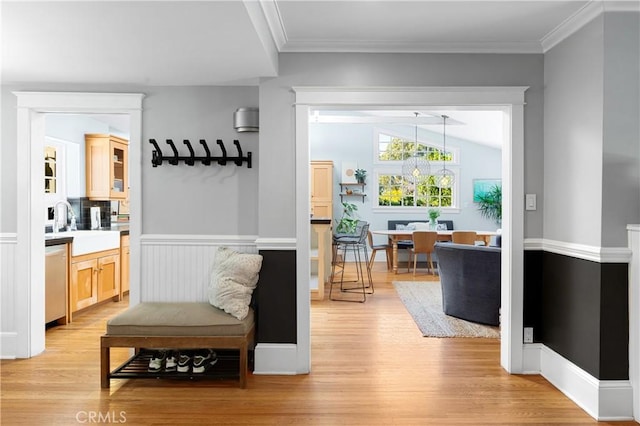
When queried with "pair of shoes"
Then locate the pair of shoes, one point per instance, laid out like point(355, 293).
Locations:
point(204, 360)
point(157, 361)
point(171, 363)
point(161, 359)
point(184, 362)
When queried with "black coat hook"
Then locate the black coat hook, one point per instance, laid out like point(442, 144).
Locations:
point(208, 159)
point(174, 159)
point(192, 159)
point(156, 158)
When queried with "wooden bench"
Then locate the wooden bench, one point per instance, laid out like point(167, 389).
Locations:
point(177, 325)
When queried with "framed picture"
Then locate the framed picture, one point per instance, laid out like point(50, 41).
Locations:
point(349, 172)
point(481, 186)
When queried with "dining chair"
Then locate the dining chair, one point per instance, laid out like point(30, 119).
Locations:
point(375, 248)
point(464, 237)
point(423, 242)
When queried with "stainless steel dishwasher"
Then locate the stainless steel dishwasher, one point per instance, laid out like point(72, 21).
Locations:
point(55, 282)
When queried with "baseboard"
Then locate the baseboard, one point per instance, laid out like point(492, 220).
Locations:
point(604, 400)
point(8, 342)
point(531, 358)
point(275, 358)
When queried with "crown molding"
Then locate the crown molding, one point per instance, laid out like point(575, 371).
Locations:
point(382, 46)
point(274, 21)
point(589, 12)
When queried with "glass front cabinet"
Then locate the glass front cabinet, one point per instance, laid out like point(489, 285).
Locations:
point(106, 167)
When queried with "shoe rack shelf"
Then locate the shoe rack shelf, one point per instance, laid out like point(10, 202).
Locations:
point(137, 366)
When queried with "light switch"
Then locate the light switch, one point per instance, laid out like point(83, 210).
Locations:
point(530, 202)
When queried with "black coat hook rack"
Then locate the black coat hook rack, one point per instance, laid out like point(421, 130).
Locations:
point(191, 159)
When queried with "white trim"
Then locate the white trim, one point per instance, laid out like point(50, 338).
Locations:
point(572, 24)
point(31, 108)
point(509, 100)
point(275, 358)
point(580, 251)
point(197, 240)
point(274, 21)
point(406, 96)
point(276, 243)
point(8, 238)
point(8, 343)
point(531, 358)
point(604, 400)
point(333, 46)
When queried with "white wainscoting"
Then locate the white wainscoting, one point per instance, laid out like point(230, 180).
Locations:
point(177, 267)
point(8, 334)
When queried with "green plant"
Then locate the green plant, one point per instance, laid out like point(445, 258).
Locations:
point(490, 204)
point(434, 214)
point(348, 222)
point(361, 175)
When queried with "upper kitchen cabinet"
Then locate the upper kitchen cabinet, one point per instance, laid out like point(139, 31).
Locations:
point(54, 172)
point(107, 167)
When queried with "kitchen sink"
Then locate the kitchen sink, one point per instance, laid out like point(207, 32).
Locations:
point(89, 241)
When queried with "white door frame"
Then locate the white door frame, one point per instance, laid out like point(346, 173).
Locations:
point(510, 100)
point(29, 274)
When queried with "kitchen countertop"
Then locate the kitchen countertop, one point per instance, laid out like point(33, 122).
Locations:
point(60, 238)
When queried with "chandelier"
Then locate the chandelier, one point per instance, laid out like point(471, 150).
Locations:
point(444, 177)
point(416, 168)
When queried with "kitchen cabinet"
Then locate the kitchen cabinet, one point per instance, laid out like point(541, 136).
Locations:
point(94, 277)
point(322, 189)
point(106, 159)
point(124, 265)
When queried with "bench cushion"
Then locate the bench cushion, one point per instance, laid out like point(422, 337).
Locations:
point(178, 319)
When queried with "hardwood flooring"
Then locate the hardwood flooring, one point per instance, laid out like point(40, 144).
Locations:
point(370, 366)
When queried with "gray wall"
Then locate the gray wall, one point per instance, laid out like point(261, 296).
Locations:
point(355, 143)
point(621, 141)
point(175, 199)
point(200, 199)
point(573, 137)
point(591, 149)
point(277, 113)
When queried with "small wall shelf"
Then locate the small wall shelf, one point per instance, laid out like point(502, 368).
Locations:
point(347, 190)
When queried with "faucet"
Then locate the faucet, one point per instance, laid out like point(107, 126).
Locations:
point(72, 226)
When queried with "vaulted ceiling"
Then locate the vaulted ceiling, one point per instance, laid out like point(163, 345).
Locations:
point(236, 42)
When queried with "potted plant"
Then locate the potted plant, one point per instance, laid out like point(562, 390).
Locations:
point(434, 214)
point(348, 222)
point(490, 204)
point(361, 175)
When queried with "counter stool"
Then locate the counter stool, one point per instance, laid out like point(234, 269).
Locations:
point(356, 244)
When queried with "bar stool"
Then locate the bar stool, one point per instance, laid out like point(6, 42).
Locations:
point(356, 244)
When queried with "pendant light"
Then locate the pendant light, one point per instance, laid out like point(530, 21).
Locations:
point(444, 177)
point(416, 168)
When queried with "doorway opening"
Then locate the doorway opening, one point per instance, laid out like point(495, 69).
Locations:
point(508, 100)
point(31, 112)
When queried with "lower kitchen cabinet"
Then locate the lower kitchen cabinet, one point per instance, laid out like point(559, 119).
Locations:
point(94, 277)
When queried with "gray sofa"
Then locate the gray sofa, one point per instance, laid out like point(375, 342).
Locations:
point(470, 279)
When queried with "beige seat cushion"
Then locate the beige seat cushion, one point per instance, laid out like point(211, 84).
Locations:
point(177, 319)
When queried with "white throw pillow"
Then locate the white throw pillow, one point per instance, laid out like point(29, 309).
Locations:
point(234, 276)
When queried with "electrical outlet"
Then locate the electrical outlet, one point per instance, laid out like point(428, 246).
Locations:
point(528, 335)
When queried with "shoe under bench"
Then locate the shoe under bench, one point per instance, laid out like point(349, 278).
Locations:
point(177, 325)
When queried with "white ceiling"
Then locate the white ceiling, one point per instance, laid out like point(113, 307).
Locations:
point(236, 42)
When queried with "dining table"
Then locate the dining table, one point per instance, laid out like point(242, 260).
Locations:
point(396, 235)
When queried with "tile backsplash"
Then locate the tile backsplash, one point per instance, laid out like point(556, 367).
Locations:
point(82, 206)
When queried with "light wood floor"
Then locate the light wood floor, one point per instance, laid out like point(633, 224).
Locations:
point(370, 366)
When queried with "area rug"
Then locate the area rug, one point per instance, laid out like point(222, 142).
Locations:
point(423, 300)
